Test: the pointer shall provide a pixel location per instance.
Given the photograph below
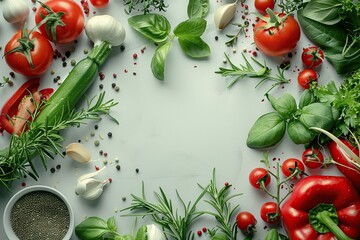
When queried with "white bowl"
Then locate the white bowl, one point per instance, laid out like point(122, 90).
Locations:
point(6, 218)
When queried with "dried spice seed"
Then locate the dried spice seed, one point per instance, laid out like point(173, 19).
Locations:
point(52, 170)
point(118, 167)
point(109, 134)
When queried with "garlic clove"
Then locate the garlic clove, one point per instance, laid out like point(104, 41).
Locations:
point(89, 188)
point(224, 15)
point(78, 152)
point(154, 233)
point(15, 11)
point(94, 190)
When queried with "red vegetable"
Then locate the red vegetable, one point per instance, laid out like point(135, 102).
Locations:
point(246, 222)
point(331, 203)
point(15, 111)
point(262, 5)
point(269, 212)
point(259, 176)
point(29, 53)
point(62, 21)
point(276, 34)
point(312, 158)
point(99, 3)
point(306, 77)
point(312, 57)
point(293, 166)
point(344, 166)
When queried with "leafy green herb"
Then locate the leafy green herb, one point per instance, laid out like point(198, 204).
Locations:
point(158, 60)
point(289, 6)
point(146, 6)
point(234, 37)
point(44, 140)
point(198, 8)
point(223, 212)
point(248, 70)
point(93, 228)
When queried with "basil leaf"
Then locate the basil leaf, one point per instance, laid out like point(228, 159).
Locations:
point(323, 11)
point(92, 228)
point(153, 26)
point(343, 64)
point(111, 224)
point(298, 133)
point(193, 27)
point(267, 131)
point(141, 233)
point(285, 105)
point(158, 60)
point(198, 8)
point(194, 47)
point(317, 115)
point(306, 98)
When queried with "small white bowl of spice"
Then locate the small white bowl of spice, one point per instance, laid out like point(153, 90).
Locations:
point(38, 212)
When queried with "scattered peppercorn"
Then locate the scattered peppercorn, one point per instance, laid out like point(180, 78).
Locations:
point(118, 167)
point(58, 167)
point(135, 56)
point(122, 48)
point(52, 170)
point(109, 134)
point(97, 143)
point(137, 170)
point(216, 38)
point(117, 88)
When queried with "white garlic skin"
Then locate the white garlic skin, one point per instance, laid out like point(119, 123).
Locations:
point(15, 11)
point(224, 15)
point(78, 152)
point(90, 188)
point(154, 233)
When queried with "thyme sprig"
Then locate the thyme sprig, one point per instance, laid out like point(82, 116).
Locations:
point(223, 211)
point(234, 37)
point(163, 213)
point(146, 5)
point(248, 70)
point(44, 141)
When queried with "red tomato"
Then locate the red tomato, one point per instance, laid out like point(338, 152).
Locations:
point(269, 211)
point(306, 77)
point(312, 57)
point(259, 175)
point(246, 222)
point(69, 24)
point(262, 5)
point(312, 158)
point(99, 3)
point(36, 46)
point(16, 111)
point(292, 165)
point(280, 37)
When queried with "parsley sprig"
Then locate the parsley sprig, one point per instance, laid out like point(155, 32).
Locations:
point(145, 6)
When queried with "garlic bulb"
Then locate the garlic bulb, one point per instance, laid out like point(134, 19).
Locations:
point(90, 188)
point(78, 152)
point(15, 11)
point(154, 233)
point(224, 15)
point(105, 28)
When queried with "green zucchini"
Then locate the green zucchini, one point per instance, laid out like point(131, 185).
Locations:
point(75, 85)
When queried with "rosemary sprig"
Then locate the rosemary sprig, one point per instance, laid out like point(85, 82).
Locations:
point(44, 140)
point(147, 5)
point(224, 213)
point(234, 37)
point(163, 213)
point(248, 70)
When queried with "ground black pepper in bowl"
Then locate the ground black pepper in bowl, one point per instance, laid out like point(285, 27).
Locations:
point(40, 215)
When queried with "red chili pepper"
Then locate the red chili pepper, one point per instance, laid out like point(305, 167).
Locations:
point(344, 166)
point(15, 111)
point(322, 208)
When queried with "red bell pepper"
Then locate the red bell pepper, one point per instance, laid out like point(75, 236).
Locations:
point(322, 208)
point(344, 166)
point(19, 107)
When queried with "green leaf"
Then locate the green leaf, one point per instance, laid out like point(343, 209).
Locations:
point(194, 47)
point(298, 133)
point(153, 26)
point(159, 59)
point(141, 233)
point(273, 234)
point(193, 27)
point(198, 8)
point(323, 11)
point(285, 105)
point(111, 224)
point(317, 115)
point(306, 98)
point(267, 131)
point(92, 228)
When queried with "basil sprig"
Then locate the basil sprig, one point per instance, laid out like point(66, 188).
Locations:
point(198, 8)
point(270, 128)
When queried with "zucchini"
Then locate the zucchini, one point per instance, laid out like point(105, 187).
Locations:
point(75, 85)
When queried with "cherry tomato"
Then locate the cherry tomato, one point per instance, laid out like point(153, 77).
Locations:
point(99, 3)
point(306, 77)
point(291, 165)
point(16, 110)
point(278, 39)
point(312, 158)
point(262, 5)
point(269, 211)
point(246, 222)
point(69, 25)
point(38, 49)
point(259, 175)
point(312, 57)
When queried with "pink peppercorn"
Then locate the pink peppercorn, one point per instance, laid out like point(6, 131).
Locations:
point(135, 56)
point(199, 233)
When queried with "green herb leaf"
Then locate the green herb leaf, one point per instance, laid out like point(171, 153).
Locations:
point(306, 98)
point(92, 228)
point(159, 59)
point(298, 133)
point(141, 233)
point(267, 131)
point(198, 8)
point(317, 115)
point(153, 26)
point(285, 105)
point(323, 11)
point(111, 224)
point(194, 47)
point(193, 27)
